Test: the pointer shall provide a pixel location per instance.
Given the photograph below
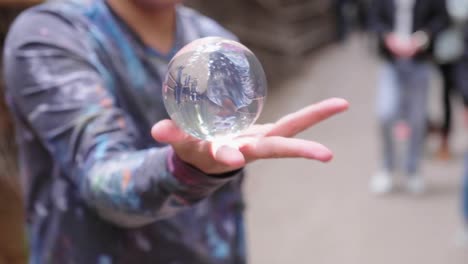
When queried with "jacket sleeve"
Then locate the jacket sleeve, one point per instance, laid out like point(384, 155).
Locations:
point(55, 86)
point(439, 19)
point(379, 21)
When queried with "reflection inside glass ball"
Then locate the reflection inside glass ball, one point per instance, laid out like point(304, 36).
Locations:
point(214, 88)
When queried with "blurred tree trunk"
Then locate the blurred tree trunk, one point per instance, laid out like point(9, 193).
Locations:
point(12, 238)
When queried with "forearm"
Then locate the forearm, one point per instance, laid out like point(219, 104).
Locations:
point(134, 189)
point(77, 117)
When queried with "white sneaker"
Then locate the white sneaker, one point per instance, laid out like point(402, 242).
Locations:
point(415, 184)
point(381, 183)
point(462, 238)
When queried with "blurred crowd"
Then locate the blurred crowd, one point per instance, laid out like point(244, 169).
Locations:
point(412, 37)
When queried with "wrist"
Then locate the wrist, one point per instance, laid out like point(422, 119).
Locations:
point(183, 170)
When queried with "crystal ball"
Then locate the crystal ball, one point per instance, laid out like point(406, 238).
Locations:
point(214, 88)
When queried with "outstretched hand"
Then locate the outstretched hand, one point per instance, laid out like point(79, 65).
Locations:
point(259, 142)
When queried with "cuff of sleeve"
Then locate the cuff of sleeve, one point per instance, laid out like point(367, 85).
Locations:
point(194, 178)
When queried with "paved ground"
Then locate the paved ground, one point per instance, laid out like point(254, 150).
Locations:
point(304, 212)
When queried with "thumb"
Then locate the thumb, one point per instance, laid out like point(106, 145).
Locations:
point(229, 156)
point(166, 131)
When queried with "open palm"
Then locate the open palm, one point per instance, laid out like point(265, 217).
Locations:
point(258, 142)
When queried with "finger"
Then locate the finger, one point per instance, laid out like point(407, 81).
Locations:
point(297, 122)
point(166, 131)
point(257, 130)
point(229, 157)
point(281, 147)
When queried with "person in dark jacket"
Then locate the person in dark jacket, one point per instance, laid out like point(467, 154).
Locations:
point(461, 82)
point(344, 19)
point(405, 30)
point(448, 51)
point(463, 237)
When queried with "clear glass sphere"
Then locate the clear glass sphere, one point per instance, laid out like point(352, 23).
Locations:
point(214, 88)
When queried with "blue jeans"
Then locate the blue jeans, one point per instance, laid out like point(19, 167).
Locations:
point(465, 190)
point(402, 95)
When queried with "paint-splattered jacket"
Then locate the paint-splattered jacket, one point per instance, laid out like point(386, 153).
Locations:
point(85, 92)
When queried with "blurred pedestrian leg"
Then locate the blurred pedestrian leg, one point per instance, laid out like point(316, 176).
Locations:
point(402, 95)
point(415, 86)
point(341, 8)
point(388, 100)
point(446, 70)
point(462, 239)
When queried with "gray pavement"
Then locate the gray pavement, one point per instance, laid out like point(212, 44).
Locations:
point(304, 212)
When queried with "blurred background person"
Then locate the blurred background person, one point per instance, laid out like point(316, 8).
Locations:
point(449, 47)
point(461, 82)
point(405, 30)
point(463, 236)
point(350, 14)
